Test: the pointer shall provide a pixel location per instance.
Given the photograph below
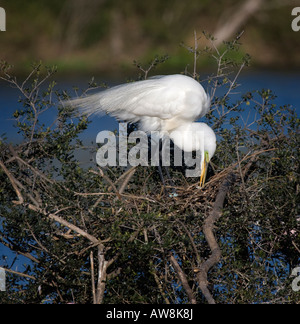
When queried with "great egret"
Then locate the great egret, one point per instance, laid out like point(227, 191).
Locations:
point(167, 104)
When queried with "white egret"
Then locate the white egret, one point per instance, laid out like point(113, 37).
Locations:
point(168, 104)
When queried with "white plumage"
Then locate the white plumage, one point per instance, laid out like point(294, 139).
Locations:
point(168, 104)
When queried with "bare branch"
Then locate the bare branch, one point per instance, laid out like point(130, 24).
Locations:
point(13, 183)
point(235, 20)
point(208, 227)
point(16, 249)
point(102, 273)
point(113, 194)
point(93, 277)
point(127, 179)
point(33, 169)
point(19, 273)
point(183, 279)
point(73, 227)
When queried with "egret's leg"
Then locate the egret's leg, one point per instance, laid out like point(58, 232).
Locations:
point(161, 176)
point(170, 181)
point(160, 166)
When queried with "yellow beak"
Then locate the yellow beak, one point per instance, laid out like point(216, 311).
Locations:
point(204, 167)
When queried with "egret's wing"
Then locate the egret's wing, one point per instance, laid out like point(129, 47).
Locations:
point(131, 101)
point(155, 97)
point(176, 96)
point(158, 101)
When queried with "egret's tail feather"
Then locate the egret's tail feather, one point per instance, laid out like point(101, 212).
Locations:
point(117, 101)
point(87, 105)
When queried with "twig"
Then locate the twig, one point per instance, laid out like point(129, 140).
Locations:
point(183, 279)
point(128, 174)
point(241, 174)
point(104, 176)
point(102, 273)
point(73, 227)
point(195, 54)
point(14, 248)
point(93, 277)
point(158, 283)
point(13, 183)
point(112, 194)
point(33, 169)
point(127, 179)
point(19, 273)
point(191, 240)
point(295, 246)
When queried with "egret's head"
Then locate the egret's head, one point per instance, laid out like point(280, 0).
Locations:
point(196, 137)
point(210, 144)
